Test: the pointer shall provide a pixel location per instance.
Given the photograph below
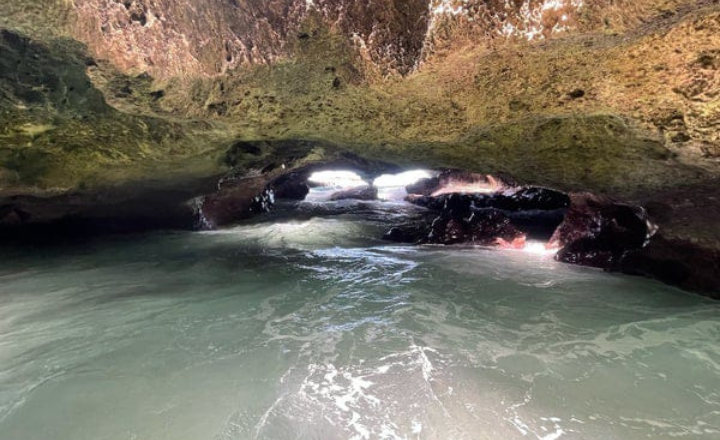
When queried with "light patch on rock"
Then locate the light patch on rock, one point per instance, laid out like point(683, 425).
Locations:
point(34, 130)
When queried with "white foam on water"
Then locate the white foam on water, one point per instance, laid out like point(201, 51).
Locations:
point(294, 330)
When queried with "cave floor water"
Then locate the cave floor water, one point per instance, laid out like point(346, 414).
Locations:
point(314, 329)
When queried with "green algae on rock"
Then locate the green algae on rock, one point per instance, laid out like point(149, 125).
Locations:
point(618, 98)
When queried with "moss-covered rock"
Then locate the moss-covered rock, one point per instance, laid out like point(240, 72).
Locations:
point(619, 98)
point(57, 131)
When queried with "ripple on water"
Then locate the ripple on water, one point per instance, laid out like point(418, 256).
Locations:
point(312, 331)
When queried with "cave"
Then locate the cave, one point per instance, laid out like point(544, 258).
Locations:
point(359, 220)
point(444, 207)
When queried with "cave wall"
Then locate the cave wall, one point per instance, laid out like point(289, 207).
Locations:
point(617, 97)
point(436, 81)
point(209, 37)
point(168, 38)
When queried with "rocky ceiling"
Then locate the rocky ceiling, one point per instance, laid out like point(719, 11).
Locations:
point(618, 97)
point(209, 37)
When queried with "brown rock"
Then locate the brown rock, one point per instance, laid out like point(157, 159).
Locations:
point(484, 228)
point(598, 231)
point(236, 201)
point(680, 263)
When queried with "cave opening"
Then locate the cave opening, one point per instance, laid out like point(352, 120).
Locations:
point(425, 206)
point(344, 184)
point(359, 219)
point(419, 206)
point(328, 185)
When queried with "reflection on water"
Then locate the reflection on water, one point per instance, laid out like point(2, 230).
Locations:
point(314, 330)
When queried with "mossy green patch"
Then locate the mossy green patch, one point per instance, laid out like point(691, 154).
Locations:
point(56, 129)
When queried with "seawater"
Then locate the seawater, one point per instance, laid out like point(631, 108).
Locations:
point(314, 329)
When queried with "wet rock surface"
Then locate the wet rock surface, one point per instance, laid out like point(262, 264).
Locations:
point(218, 85)
point(687, 265)
point(293, 186)
point(524, 199)
point(599, 232)
point(136, 207)
point(497, 219)
point(483, 227)
point(232, 203)
point(236, 199)
point(245, 194)
point(362, 193)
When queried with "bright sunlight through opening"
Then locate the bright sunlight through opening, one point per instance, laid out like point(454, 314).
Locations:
point(337, 179)
point(392, 186)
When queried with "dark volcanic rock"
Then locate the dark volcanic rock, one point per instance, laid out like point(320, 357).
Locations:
point(459, 221)
point(236, 201)
point(675, 262)
point(534, 198)
point(504, 219)
point(537, 223)
point(598, 232)
point(135, 207)
point(292, 187)
point(262, 202)
point(407, 233)
point(589, 252)
point(486, 228)
point(524, 199)
point(361, 193)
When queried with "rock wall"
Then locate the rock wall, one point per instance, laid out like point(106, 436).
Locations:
point(167, 38)
point(208, 37)
point(581, 89)
point(617, 97)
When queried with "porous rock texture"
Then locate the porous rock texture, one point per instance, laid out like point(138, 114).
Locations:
point(620, 98)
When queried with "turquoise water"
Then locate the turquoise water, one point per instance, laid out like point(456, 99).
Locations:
point(316, 330)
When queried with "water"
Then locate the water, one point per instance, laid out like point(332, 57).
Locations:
point(316, 330)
